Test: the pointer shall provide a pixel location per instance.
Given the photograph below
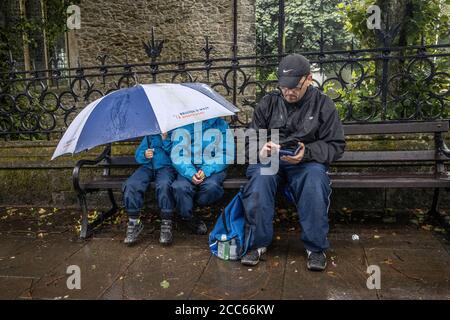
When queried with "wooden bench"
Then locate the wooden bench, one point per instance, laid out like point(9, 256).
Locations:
point(434, 157)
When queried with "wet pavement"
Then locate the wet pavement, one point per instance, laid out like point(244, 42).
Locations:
point(38, 245)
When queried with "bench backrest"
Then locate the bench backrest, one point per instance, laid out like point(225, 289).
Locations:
point(425, 127)
point(422, 127)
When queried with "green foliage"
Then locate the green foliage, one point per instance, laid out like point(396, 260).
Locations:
point(11, 34)
point(429, 17)
point(304, 19)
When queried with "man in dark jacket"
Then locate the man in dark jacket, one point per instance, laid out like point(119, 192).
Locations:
point(304, 117)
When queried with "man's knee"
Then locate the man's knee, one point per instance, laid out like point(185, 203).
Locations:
point(262, 183)
point(316, 174)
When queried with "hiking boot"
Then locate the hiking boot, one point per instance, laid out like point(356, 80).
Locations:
point(252, 257)
point(317, 261)
point(196, 225)
point(165, 237)
point(134, 229)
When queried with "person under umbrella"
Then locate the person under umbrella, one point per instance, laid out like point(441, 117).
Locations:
point(200, 153)
point(154, 156)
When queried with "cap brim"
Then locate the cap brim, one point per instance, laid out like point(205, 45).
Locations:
point(288, 82)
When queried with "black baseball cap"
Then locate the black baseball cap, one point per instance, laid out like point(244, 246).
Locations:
point(291, 69)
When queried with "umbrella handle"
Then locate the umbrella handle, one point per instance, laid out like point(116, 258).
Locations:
point(148, 142)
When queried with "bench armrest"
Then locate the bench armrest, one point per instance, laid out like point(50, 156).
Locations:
point(105, 155)
point(442, 147)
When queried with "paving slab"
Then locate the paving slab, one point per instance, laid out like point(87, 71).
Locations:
point(35, 257)
point(232, 280)
point(101, 262)
point(161, 272)
point(13, 287)
point(412, 273)
point(344, 278)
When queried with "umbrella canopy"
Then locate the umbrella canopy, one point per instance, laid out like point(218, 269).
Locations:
point(139, 111)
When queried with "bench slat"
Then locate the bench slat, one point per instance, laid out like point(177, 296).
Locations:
point(393, 128)
point(355, 180)
point(422, 155)
point(349, 156)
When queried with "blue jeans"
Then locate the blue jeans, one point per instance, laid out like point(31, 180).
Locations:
point(205, 194)
point(311, 190)
point(136, 185)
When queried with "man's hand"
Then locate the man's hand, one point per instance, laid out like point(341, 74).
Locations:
point(164, 135)
point(297, 158)
point(149, 153)
point(198, 177)
point(268, 148)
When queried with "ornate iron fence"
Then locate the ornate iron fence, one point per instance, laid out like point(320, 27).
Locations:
point(377, 84)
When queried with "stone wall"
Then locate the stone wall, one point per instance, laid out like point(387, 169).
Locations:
point(119, 27)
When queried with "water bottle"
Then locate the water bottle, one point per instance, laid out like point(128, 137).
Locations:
point(233, 249)
point(223, 250)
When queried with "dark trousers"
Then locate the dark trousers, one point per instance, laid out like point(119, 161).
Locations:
point(310, 187)
point(136, 185)
point(205, 194)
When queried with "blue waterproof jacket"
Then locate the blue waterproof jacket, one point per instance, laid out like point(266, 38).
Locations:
point(203, 147)
point(161, 152)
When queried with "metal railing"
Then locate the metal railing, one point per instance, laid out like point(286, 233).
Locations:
point(376, 84)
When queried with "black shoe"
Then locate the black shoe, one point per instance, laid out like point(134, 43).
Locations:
point(196, 225)
point(252, 257)
point(165, 237)
point(133, 232)
point(317, 261)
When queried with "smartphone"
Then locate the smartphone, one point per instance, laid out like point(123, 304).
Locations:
point(289, 151)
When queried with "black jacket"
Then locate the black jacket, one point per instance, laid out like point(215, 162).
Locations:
point(313, 120)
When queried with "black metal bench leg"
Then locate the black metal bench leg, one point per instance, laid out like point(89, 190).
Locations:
point(434, 211)
point(84, 216)
point(112, 199)
point(104, 215)
point(86, 227)
point(444, 221)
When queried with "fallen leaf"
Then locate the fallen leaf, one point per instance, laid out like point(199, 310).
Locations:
point(376, 236)
point(41, 211)
point(165, 284)
point(387, 261)
point(331, 273)
point(180, 294)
